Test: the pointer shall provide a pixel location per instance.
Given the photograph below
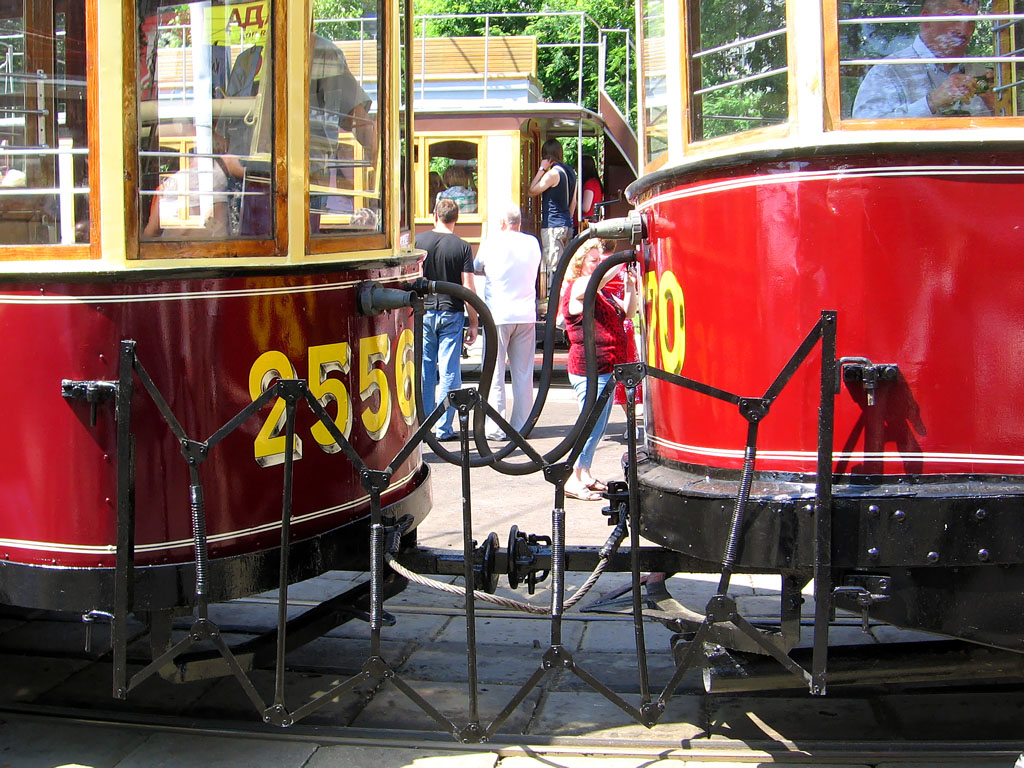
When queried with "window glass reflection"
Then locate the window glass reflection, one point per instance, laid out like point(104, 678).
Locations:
point(738, 69)
point(936, 58)
point(206, 119)
point(655, 80)
point(344, 136)
point(44, 182)
point(453, 174)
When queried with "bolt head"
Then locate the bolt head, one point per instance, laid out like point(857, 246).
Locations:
point(933, 557)
point(899, 514)
point(983, 555)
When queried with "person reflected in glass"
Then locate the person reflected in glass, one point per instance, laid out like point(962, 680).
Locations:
point(191, 194)
point(933, 86)
point(339, 107)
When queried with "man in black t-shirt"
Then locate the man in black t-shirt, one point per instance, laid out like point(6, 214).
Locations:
point(449, 258)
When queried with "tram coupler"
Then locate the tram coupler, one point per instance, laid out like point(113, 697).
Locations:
point(524, 553)
point(617, 510)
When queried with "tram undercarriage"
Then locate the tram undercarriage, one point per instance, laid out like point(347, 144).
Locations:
point(895, 558)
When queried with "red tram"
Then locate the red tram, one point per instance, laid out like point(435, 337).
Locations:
point(848, 174)
point(192, 192)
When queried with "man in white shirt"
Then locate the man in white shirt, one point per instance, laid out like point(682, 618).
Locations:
point(510, 260)
point(933, 86)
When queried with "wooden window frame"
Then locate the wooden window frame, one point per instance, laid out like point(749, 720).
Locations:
point(135, 248)
point(423, 178)
point(690, 26)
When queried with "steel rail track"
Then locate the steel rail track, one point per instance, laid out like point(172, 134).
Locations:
point(945, 753)
point(647, 744)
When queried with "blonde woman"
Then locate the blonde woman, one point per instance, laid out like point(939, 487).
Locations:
point(610, 342)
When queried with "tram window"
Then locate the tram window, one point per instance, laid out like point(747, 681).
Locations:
point(344, 132)
point(205, 112)
point(655, 80)
point(973, 51)
point(738, 72)
point(453, 173)
point(44, 147)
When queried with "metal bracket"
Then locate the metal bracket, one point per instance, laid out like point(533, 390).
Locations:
point(463, 399)
point(753, 409)
point(863, 598)
point(557, 473)
point(195, 452)
point(91, 618)
point(93, 392)
point(375, 480)
point(631, 374)
point(854, 369)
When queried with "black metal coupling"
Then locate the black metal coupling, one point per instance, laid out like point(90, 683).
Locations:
point(525, 552)
point(485, 575)
point(632, 227)
point(372, 298)
point(869, 374)
point(420, 286)
point(618, 502)
point(92, 392)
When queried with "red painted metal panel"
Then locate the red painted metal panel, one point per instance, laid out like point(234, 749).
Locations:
point(199, 340)
point(920, 256)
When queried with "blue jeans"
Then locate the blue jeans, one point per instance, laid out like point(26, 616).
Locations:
point(442, 350)
point(579, 383)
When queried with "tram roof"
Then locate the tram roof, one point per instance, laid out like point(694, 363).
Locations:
point(557, 119)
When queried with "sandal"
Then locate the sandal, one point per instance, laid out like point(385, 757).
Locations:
point(584, 494)
point(597, 485)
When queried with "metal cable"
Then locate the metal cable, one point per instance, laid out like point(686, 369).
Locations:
point(505, 602)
